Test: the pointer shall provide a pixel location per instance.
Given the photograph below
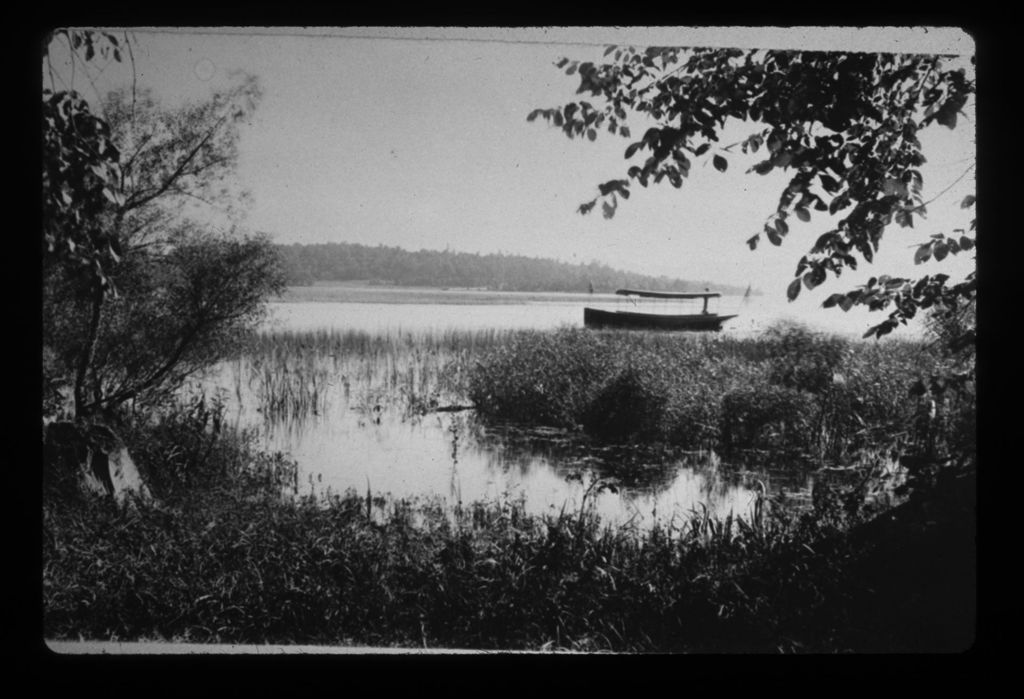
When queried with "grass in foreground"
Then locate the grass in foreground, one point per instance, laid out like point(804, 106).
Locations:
point(224, 556)
point(258, 570)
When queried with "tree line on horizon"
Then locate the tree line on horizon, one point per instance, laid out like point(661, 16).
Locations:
point(305, 264)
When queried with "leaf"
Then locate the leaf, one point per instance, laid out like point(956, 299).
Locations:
point(829, 184)
point(968, 201)
point(720, 163)
point(832, 300)
point(702, 149)
point(607, 210)
point(892, 186)
point(803, 214)
point(781, 226)
point(624, 130)
point(534, 114)
point(561, 63)
point(793, 290)
point(947, 115)
point(773, 237)
point(837, 203)
point(631, 149)
point(608, 50)
point(752, 242)
point(923, 253)
point(815, 277)
point(904, 218)
point(591, 134)
point(941, 250)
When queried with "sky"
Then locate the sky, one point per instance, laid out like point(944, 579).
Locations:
point(417, 137)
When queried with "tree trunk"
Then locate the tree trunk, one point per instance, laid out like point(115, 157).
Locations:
point(82, 458)
point(86, 359)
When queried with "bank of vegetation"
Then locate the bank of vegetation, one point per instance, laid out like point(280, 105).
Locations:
point(227, 552)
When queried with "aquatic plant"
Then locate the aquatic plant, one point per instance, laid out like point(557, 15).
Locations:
point(792, 388)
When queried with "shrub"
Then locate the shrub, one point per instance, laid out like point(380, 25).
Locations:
point(185, 450)
point(631, 405)
point(541, 378)
point(803, 359)
point(767, 415)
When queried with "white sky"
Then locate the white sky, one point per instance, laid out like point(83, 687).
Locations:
point(420, 140)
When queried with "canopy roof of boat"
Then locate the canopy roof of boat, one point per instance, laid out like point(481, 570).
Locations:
point(669, 294)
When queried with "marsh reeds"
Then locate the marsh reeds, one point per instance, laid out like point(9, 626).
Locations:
point(291, 375)
point(791, 390)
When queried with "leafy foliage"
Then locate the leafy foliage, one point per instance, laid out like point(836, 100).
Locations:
point(845, 125)
point(81, 172)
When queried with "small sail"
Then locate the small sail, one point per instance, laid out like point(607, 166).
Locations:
point(746, 295)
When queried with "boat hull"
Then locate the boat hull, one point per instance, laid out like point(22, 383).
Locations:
point(596, 318)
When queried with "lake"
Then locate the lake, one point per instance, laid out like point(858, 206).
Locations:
point(395, 309)
point(357, 436)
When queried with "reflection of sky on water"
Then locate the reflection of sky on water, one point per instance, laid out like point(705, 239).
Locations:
point(351, 444)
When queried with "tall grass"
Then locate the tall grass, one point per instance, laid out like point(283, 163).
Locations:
point(291, 374)
point(789, 389)
point(242, 571)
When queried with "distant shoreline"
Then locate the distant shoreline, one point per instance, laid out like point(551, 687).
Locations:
point(356, 292)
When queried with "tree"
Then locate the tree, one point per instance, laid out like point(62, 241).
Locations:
point(844, 124)
point(136, 295)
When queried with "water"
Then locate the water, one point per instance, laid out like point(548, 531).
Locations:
point(359, 436)
point(390, 311)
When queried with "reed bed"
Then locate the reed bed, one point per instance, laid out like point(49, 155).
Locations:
point(291, 375)
point(791, 389)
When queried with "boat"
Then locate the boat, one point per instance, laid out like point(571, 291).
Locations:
point(638, 320)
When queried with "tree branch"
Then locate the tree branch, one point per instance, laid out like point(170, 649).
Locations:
point(132, 203)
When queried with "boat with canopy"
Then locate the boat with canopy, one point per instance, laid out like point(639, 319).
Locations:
point(654, 310)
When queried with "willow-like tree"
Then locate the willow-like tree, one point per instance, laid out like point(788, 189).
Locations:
point(845, 125)
point(138, 293)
